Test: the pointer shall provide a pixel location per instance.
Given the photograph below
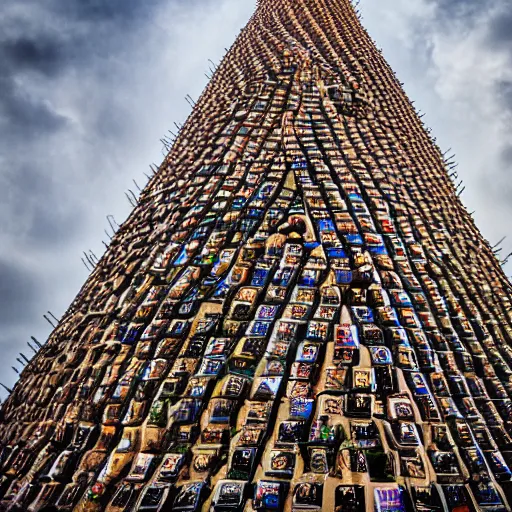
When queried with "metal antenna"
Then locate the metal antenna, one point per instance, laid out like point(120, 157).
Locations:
point(50, 313)
point(110, 218)
point(165, 144)
point(499, 243)
point(49, 321)
point(85, 264)
point(36, 342)
point(505, 260)
point(130, 200)
point(89, 260)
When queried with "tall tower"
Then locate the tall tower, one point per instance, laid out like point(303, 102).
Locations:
point(298, 315)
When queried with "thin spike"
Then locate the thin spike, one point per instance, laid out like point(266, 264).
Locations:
point(50, 313)
point(129, 199)
point(499, 243)
point(133, 195)
point(83, 261)
point(49, 321)
point(115, 221)
point(87, 257)
point(36, 341)
point(110, 222)
point(505, 260)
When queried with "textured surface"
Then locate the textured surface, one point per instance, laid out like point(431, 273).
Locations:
point(298, 314)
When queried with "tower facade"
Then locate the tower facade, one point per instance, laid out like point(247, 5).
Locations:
point(298, 315)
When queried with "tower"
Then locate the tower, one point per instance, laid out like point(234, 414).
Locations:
point(299, 314)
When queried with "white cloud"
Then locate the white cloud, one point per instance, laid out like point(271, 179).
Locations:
point(442, 52)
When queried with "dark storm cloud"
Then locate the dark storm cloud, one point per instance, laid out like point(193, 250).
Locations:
point(500, 29)
point(43, 44)
point(466, 12)
point(504, 92)
point(87, 88)
point(43, 54)
point(40, 41)
point(101, 11)
point(22, 115)
point(499, 40)
point(17, 298)
point(45, 39)
point(24, 55)
point(506, 155)
point(491, 21)
point(38, 203)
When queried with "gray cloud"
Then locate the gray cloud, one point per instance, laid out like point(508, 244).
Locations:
point(500, 29)
point(454, 57)
point(87, 89)
point(43, 54)
point(464, 12)
point(17, 292)
point(23, 115)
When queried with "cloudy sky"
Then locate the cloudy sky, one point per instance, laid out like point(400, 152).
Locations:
point(88, 87)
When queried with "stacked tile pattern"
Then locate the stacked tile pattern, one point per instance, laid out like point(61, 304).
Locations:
point(298, 315)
